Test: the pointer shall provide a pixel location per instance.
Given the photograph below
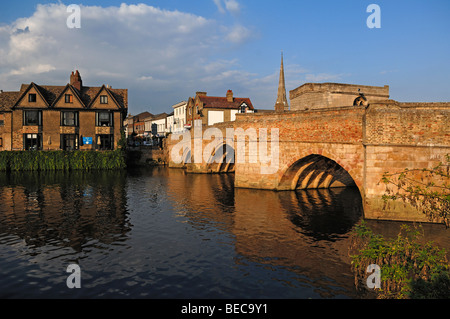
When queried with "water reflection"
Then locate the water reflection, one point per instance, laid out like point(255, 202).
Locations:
point(161, 233)
point(63, 208)
point(323, 214)
point(305, 231)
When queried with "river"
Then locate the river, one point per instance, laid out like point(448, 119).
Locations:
point(161, 233)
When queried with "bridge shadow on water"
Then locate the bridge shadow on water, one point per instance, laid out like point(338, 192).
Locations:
point(323, 214)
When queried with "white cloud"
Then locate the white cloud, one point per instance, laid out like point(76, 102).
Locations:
point(34, 69)
point(161, 56)
point(238, 34)
point(218, 3)
point(151, 51)
point(231, 6)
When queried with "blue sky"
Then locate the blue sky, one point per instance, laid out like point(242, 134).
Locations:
point(164, 51)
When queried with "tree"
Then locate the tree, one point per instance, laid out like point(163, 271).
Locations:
point(428, 190)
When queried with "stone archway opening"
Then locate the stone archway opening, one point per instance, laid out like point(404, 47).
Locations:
point(315, 172)
point(186, 157)
point(222, 160)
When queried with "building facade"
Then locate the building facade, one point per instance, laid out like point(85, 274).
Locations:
point(179, 116)
point(170, 123)
point(70, 117)
point(209, 110)
point(159, 125)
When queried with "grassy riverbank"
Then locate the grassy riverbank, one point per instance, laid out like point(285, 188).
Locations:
point(61, 160)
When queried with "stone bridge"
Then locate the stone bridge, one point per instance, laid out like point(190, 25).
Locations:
point(322, 148)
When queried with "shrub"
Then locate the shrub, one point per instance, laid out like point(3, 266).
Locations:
point(408, 267)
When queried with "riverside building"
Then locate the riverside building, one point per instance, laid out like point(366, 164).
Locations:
point(70, 117)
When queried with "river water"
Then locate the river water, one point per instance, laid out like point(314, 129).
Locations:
point(161, 233)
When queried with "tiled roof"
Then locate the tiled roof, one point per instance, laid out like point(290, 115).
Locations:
point(51, 93)
point(7, 100)
point(142, 116)
point(222, 102)
point(160, 116)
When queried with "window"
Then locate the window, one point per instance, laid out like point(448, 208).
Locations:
point(32, 118)
point(103, 99)
point(104, 118)
point(1, 142)
point(243, 107)
point(2, 123)
point(32, 142)
point(69, 98)
point(69, 118)
point(105, 142)
point(32, 97)
point(69, 142)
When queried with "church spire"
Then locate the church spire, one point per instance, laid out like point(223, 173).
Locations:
point(282, 104)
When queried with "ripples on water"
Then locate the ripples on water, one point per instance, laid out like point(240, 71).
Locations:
point(161, 233)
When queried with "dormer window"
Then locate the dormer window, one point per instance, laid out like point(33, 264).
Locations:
point(32, 97)
point(103, 99)
point(243, 107)
point(69, 98)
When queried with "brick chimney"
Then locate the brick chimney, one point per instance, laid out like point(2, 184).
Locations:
point(75, 80)
point(229, 96)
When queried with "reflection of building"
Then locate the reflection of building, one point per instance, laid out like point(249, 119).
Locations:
point(212, 109)
point(67, 117)
point(65, 208)
point(304, 231)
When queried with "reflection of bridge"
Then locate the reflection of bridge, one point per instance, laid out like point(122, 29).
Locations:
point(333, 147)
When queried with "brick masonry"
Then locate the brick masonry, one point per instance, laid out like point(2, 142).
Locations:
point(387, 136)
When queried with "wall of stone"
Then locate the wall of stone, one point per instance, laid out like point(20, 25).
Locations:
point(413, 124)
point(5, 131)
point(324, 95)
point(399, 136)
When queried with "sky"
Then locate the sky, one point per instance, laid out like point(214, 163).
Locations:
point(164, 51)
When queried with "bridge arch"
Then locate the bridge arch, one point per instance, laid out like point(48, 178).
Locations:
point(186, 157)
point(222, 159)
point(315, 171)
